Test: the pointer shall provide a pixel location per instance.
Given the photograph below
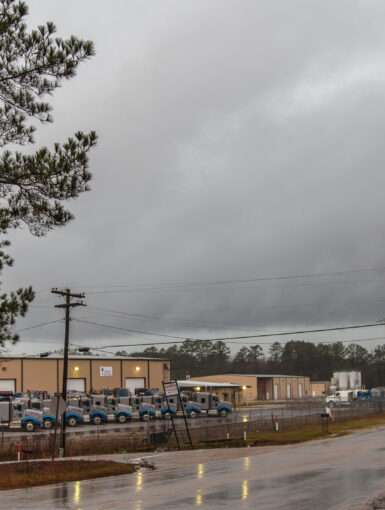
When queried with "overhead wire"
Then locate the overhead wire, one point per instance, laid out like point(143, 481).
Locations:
point(150, 286)
point(38, 325)
point(227, 339)
point(143, 317)
point(199, 289)
point(126, 329)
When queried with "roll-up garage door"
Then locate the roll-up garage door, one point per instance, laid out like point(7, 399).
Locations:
point(7, 385)
point(133, 383)
point(77, 384)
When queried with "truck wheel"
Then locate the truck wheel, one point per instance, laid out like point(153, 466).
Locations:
point(96, 420)
point(72, 421)
point(121, 418)
point(146, 416)
point(47, 424)
point(167, 415)
point(29, 426)
point(192, 414)
point(331, 403)
point(223, 413)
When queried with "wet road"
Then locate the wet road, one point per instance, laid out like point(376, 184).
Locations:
point(323, 475)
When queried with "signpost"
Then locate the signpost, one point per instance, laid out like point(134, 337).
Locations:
point(171, 389)
point(57, 405)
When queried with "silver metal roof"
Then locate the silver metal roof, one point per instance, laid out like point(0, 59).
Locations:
point(79, 357)
point(260, 376)
point(193, 384)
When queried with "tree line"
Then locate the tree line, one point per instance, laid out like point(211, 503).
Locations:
point(197, 358)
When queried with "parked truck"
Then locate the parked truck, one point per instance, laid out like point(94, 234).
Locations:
point(342, 397)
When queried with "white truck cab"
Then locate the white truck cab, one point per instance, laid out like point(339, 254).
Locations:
point(341, 397)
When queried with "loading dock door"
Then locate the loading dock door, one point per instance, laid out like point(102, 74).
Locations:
point(132, 383)
point(7, 385)
point(288, 390)
point(300, 392)
point(77, 384)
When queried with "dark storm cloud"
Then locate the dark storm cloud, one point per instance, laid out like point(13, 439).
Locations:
point(237, 140)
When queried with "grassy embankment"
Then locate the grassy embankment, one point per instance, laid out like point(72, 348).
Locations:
point(298, 435)
point(20, 475)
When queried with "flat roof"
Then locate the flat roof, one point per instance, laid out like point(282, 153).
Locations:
point(194, 383)
point(79, 356)
point(260, 376)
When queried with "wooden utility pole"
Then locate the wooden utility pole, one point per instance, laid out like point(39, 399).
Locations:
point(68, 305)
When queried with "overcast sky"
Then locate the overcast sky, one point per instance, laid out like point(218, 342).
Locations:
point(237, 141)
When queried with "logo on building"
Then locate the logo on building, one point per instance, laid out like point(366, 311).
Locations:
point(105, 371)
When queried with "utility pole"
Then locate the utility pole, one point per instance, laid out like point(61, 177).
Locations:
point(68, 305)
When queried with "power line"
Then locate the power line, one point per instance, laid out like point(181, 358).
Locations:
point(212, 288)
point(142, 317)
point(263, 335)
point(128, 330)
point(226, 339)
point(38, 325)
point(102, 349)
point(150, 286)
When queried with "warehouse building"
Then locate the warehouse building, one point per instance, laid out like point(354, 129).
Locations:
point(225, 391)
point(85, 373)
point(265, 387)
point(319, 388)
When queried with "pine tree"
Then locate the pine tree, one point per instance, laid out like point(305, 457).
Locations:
point(33, 187)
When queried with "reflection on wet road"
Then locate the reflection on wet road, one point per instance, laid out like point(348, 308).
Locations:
point(330, 474)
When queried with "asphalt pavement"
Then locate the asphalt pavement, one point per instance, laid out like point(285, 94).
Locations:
point(330, 474)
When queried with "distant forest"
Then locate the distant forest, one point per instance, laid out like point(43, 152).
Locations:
point(318, 361)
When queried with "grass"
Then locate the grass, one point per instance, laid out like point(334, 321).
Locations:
point(300, 434)
point(108, 444)
point(18, 475)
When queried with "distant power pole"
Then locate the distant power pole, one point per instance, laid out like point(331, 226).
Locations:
point(67, 305)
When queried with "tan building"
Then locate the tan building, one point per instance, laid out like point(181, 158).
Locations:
point(265, 387)
point(85, 373)
point(319, 388)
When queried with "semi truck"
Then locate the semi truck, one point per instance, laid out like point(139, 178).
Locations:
point(35, 412)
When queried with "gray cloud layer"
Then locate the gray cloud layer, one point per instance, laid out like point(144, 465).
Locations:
point(237, 140)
